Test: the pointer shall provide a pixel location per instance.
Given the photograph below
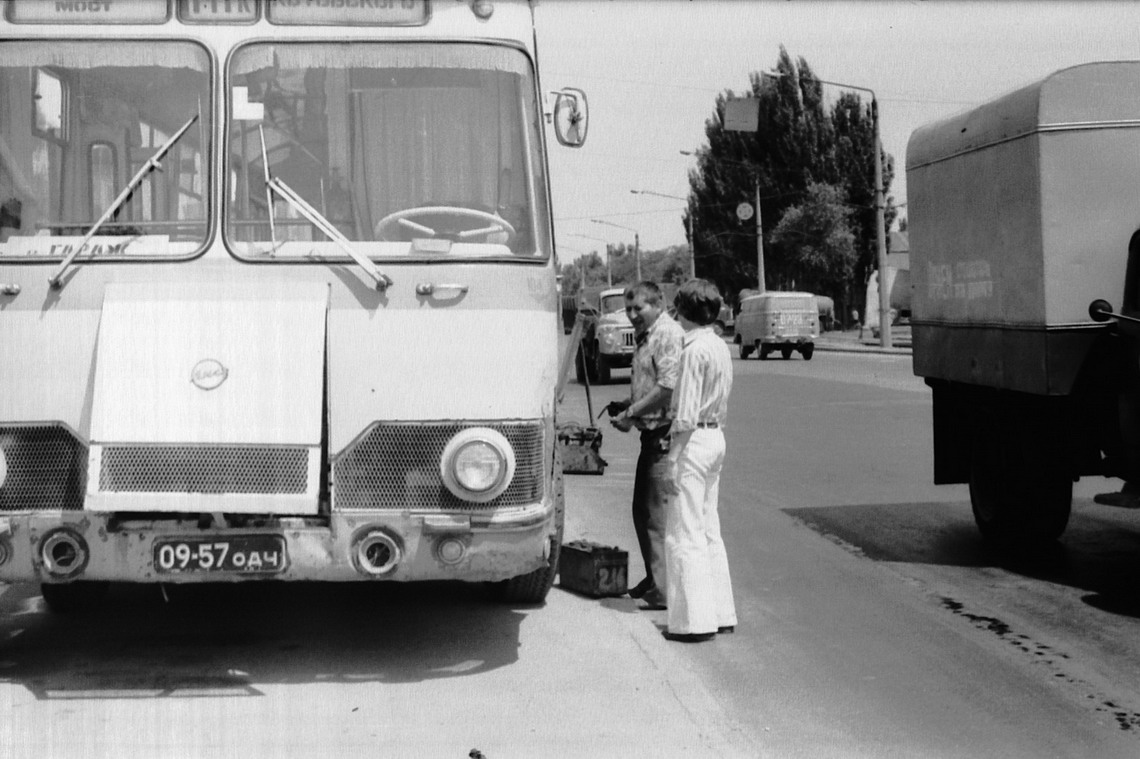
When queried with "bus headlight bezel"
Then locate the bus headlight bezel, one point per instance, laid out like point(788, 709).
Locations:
point(477, 464)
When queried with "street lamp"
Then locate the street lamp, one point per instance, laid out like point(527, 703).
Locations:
point(760, 276)
point(609, 270)
point(880, 210)
point(689, 220)
point(636, 242)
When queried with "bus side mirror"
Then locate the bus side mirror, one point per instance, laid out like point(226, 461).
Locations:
point(571, 117)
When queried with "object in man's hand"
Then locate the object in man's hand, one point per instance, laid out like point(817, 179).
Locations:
point(613, 408)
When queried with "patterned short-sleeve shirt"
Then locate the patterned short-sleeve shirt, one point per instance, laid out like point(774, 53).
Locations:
point(655, 362)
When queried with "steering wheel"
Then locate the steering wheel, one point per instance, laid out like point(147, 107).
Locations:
point(450, 222)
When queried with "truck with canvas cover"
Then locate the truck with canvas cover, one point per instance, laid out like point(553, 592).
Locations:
point(1023, 219)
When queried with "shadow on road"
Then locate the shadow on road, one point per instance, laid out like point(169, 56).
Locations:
point(227, 640)
point(1098, 553)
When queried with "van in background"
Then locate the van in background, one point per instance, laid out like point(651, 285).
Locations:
point(783, 321)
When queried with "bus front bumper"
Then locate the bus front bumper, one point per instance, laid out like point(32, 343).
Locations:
point(375, 545)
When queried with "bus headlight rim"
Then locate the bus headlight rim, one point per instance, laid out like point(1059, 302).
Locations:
point(477, 464)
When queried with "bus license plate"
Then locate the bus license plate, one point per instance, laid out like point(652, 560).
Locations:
point(257, 554)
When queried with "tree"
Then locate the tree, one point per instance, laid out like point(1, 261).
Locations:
point(819, 238)
point(799, 143)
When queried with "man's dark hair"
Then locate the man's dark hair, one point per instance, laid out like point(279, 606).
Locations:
point(647, 290)
point(699, 301)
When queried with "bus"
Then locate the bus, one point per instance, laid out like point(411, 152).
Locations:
point(278, 294)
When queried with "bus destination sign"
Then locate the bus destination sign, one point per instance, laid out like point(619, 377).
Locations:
point(87, 11)
point(363, 12)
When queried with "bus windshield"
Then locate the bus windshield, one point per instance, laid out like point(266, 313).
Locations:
point(78, 122)
point(406, 149)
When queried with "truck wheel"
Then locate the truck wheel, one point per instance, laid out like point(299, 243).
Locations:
point(580, 368)
point(745, 350)
point(764, 351)
point(807, 352)
point(786, 352)
point(1016, 503)
point(533, 587)
point(71, 597)
point(602, 369)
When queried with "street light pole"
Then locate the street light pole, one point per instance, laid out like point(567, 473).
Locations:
point(688, 225)
point(609, 268)
point(880, 210)
point(761, 279)
point(636, 242)
point(760, 274)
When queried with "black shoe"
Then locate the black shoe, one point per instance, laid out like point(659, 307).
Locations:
point(726, 630)
point(641, 588)
point(654, 600)
point(688, 637)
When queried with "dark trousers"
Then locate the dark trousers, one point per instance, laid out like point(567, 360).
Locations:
point(649, 498)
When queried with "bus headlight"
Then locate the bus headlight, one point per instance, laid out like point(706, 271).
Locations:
point(477, 464)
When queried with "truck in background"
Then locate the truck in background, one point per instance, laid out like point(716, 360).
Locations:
point(607, 337)
point(1024, 235)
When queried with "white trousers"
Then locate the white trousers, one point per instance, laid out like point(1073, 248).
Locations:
point(699, 591)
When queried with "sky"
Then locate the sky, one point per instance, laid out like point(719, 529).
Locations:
point(652, 69)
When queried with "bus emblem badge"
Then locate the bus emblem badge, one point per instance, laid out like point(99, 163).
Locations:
point(208, 373)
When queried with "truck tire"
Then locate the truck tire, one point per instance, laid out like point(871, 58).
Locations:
point(72, 597)
point(807, 351)
point(786, 352)
point(602, 368)
point(1017, 502)
point(745, 350)
point(764, 350)
point(580, 368)
point(533, 587)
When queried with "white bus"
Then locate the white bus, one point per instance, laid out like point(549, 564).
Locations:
point(277, 294)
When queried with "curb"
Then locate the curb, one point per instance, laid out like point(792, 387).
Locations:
point(897, 350)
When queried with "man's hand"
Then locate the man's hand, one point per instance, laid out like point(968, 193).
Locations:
point(613, 408)
point(622, 422)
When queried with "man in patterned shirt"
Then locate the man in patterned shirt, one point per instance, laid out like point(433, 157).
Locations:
point(651, 389)
point(700, 589)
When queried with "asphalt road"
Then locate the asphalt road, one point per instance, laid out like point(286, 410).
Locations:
point(873, 623)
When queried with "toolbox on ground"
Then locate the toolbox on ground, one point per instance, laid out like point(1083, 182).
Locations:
point(592, 569)
point(580, 449)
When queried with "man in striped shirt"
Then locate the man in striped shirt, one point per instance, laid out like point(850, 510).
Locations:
point(699, 592)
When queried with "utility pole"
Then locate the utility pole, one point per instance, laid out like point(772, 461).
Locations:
point(688, 224)
point(880, 210)
point(636, 243)
point(760, 278)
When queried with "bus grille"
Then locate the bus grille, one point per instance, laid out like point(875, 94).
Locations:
point(396, 465)
point(203, 469)
point(47, 469)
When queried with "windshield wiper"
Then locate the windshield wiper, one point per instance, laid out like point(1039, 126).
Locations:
point(318, 220)
point(56, 279)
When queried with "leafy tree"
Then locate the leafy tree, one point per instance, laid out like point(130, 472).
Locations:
point(800, 143)
point(819, 237)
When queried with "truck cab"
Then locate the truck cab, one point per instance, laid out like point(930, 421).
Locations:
point(607, 338)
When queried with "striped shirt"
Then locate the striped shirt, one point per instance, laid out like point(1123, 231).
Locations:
point(704, 381)
point(655, 362)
